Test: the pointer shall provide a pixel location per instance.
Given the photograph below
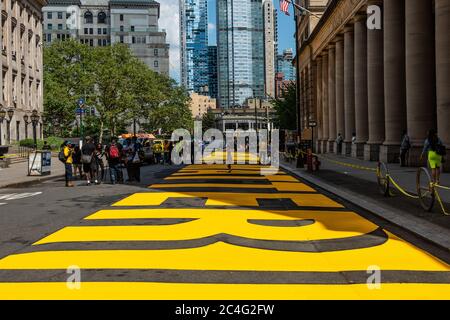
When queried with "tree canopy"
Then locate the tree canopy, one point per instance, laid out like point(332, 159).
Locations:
point(285, 108)
point(116, 84)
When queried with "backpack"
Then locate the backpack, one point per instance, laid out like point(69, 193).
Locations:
point(114, 152)
point(441, 150)
point(61, 156)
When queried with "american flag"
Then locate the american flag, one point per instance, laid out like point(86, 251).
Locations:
point(284, 6)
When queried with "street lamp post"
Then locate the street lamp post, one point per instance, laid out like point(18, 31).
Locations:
point(34, 120)
point(2, 117)
point(10, 113)
point(25, 119)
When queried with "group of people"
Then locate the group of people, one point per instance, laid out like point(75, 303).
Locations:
point(162, 152)
point(89, 161)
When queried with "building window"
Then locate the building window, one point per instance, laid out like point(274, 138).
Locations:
point(91, 42)
point(99, 31)
point(104, 42)
point(91, 30)
point(99, 42)
point(101, 17)
point(105, 31)
point(49, 37)
point(132, 28)
point(155, 52)
point(49, 26)
point(121, 17)
point(49, 15)
point(60, 15)
point(86, 31)
point(156, 64)
point(121, 28)
point(60, 26)
point(88, 17)
point(67, 15)
point(133, 39)
point(121, 39)
point(58, 36)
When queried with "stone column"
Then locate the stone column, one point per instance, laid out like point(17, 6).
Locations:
point(375, 91)
point(443, 73)
point(394, 79)
point(349, 88)
point(340, 119)
point(420, 75)
point(361, 118)
point(331, 97)
point(325, 110)
point(319, 104)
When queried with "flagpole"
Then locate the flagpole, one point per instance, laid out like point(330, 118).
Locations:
point(300, 8)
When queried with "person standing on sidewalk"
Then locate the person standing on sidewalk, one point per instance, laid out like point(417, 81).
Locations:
point(68, 152)
point(339, 141)
point(87, 158)
point(113, 152)
point(166, 152)
point(435, 150)
point(405, 145)
point(77, 167)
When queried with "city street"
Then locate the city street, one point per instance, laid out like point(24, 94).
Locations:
point(207, 232)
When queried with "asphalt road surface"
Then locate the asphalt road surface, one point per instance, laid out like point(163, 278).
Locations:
point(206, 232)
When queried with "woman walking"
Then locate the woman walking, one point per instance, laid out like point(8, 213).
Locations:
point(435, 151)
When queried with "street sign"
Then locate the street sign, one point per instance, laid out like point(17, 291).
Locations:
point(80, 111)
point(312, 124)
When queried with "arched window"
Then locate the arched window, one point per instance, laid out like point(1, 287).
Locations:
point(101, 17)
point(88, 17)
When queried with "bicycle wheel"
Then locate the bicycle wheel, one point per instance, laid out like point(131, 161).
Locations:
point(425, 189)
point(382, 178)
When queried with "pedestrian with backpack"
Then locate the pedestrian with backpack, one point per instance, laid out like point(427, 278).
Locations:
point(113, 155)
point(65, 156)
point(87, 159)
point(436, 151)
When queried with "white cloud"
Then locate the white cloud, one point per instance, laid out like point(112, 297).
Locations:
point(169, 20)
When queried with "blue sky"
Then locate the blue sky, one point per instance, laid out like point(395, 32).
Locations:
point(170, 21)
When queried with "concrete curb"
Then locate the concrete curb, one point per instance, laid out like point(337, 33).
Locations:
point(423, 229)
point(28, 183)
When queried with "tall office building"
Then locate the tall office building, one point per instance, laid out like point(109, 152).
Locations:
point(21, 79)
point(104, 22)
point(269, 14)
point(285, 66)
point(212, 71)
point(240, 40)
point(194, 44)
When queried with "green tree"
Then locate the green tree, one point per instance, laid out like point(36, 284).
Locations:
point(112, 80)
point(208, 120)
point(285, 108)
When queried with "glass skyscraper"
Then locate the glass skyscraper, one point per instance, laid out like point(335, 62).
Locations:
point(285, 66)
point(194, 44)
point(212, 71)
point(240, 41)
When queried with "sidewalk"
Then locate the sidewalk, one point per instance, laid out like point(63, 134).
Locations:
point(16, 174)
point(360, 188)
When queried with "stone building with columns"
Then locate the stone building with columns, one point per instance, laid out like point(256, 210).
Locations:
point(21, 79)
point(375, 82)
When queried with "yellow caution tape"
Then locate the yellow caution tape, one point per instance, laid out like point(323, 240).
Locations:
point(9, 156)
point(438, 197)
point(406, 193)
point(441, 187)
